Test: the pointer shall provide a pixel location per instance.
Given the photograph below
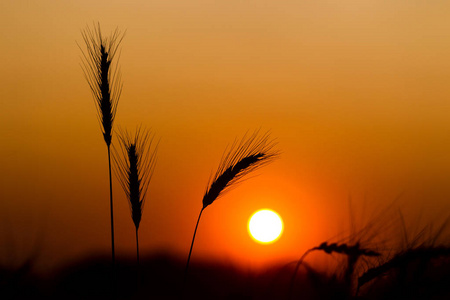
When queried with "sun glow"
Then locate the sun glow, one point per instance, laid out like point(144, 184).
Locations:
point(265, 226)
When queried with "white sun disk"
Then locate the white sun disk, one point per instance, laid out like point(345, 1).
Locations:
point(265, 226)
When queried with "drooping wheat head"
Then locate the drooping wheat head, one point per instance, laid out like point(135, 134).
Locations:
point(353, 253)
point(241, 159)
point(248, 155)
point(350, 250)
point(103, 75)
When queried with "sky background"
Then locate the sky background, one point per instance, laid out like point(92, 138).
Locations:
point(355, 92)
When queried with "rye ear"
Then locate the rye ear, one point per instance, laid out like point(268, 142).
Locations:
point(250, 154)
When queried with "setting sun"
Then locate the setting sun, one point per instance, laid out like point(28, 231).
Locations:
point(265, 226)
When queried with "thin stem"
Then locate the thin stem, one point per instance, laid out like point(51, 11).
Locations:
point(111, 209)
point(138, 269)
point(291, 286)
point(113, 256)
point(190, 250)
point(137, 247)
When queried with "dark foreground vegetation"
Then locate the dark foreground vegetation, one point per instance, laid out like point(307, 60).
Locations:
point(420, 274)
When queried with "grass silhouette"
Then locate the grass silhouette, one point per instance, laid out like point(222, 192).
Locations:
point(383, 270)
point(353, 253)
point(134, 169)
point(410, 265)
point(243, 158)
point(104, 80)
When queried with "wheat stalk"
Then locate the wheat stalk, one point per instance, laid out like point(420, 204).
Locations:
point(353, 253)
point(243, 158)
point(135, 164)
point(103, 77)
point(104, 80)
point(402, 259)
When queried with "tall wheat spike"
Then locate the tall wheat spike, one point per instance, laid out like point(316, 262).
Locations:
point(104, 80)
point(135, 164)
point(243, 158)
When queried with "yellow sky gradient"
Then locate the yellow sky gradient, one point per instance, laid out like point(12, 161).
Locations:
point(356, 93)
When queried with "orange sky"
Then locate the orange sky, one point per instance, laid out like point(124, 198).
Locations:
point(356, 93)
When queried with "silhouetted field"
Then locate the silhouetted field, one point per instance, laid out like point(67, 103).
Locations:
point(161, 277)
